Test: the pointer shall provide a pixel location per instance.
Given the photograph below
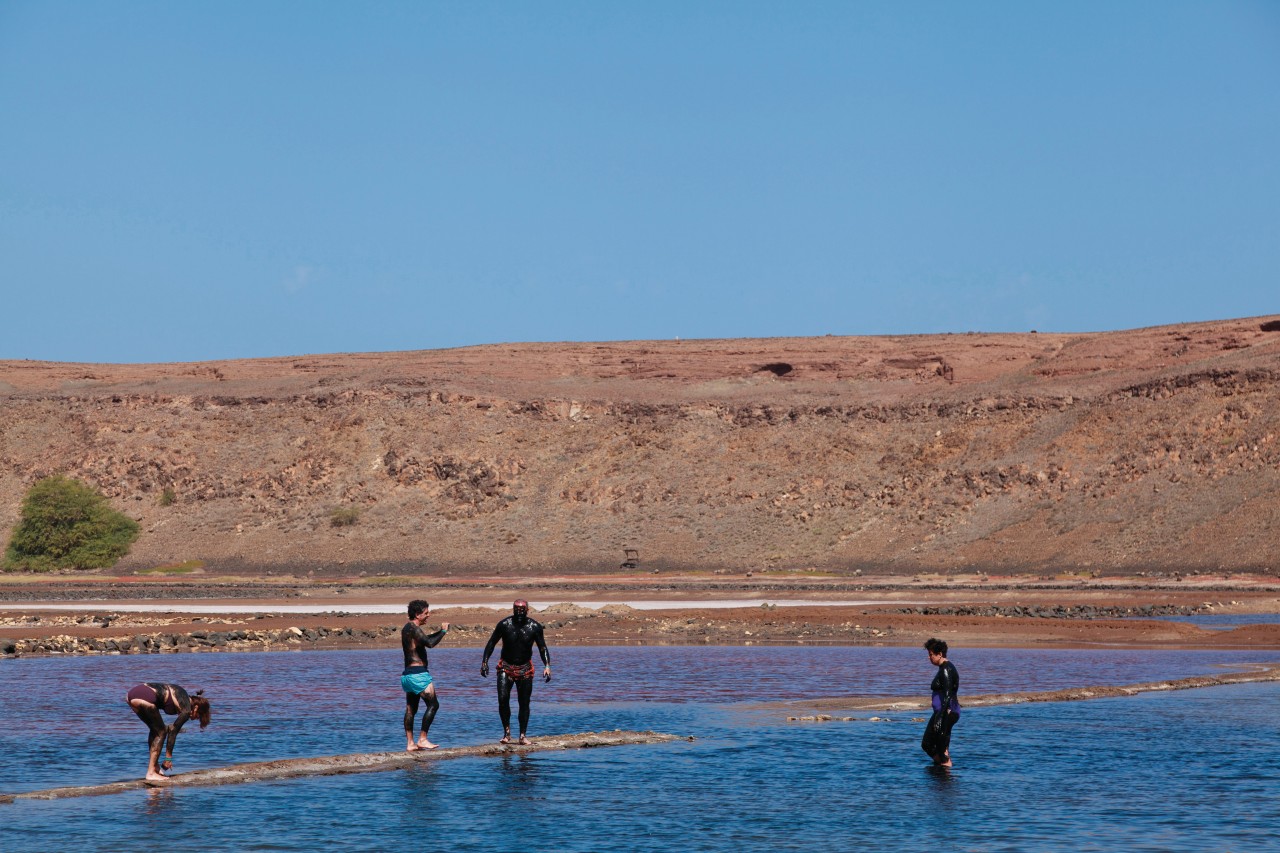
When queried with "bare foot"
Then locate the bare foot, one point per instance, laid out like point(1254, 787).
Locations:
point(505, 739)
point(412, 748)
point(524, 741)
point(155, 778)
point(423, 743)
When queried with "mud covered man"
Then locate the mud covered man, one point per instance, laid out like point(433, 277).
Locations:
point(518, 634)
point(416, 680)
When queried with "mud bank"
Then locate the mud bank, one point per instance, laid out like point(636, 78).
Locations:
point(1014, 623)
point(333, 765)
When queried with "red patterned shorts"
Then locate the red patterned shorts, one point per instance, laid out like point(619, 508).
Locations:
point(515, 671)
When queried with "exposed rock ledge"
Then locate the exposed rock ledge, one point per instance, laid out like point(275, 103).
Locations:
point(332, 765)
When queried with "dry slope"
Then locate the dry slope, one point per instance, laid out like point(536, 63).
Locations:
point(1146, 449)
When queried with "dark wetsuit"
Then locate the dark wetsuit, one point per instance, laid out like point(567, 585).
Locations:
point(946, 711)
point(414, 642)
point(518, 636)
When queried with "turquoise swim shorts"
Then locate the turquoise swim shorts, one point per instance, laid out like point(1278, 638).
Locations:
point(414, 683)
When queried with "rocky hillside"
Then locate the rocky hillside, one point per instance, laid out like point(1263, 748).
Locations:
point(1153, 449)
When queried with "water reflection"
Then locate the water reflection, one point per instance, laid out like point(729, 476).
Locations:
point(942, 785)
point(519, 779)
point(158, 802)
point(417, 788)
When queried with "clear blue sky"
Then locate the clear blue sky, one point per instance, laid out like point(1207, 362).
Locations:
point(187, 181)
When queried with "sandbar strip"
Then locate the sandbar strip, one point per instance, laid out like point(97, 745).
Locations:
point(333, 765)
point(1263, 672)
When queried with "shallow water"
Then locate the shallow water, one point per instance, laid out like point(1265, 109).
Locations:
point(1223, 621)
point(1189, 770)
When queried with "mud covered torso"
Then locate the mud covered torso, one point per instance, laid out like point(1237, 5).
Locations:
point(414, 642)
point(518, 639)
point(170, 698)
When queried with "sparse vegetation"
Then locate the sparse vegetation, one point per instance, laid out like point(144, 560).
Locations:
point(167, 497)
point(343, 516)
point(186, 567)
point(66, 524)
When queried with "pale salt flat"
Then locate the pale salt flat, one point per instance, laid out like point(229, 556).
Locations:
point(329, 607)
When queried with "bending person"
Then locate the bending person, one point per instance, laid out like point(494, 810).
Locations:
point(946, 707)
point(416, 680)
point(147, 701)
point(518, 634)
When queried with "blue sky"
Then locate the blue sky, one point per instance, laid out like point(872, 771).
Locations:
point(190, 181)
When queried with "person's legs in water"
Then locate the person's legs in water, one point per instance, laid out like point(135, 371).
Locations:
point(504, 705)
point(524, 691)
point(929, 742)
point(937, 737)
point(150, 715)
point(949, 719)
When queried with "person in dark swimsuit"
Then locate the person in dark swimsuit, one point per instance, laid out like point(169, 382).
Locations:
point(416, 680)
point(946, 707)
point(518, 634)
point(147, 701)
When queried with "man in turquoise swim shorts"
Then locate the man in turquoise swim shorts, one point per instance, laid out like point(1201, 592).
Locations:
point(416, 681)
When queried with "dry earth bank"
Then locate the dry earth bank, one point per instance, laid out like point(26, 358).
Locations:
point(1146, 450)
point(1120, 613)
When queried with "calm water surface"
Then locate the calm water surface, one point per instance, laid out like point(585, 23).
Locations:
point(1189, 770)
point(1224, 621)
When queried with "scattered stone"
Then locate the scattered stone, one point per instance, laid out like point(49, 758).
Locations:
point(568, 608)
point(821, 718)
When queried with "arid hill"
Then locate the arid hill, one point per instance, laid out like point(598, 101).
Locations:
point(1153, 449)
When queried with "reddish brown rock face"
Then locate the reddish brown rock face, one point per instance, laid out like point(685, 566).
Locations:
point(1118, 452)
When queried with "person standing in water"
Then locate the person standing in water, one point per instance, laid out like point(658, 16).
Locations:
point(416, 680)
point(518, 634)
point(147, 701)
point(946, 707)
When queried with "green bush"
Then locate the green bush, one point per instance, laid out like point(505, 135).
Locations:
point(344, 516)
point(65, 524)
